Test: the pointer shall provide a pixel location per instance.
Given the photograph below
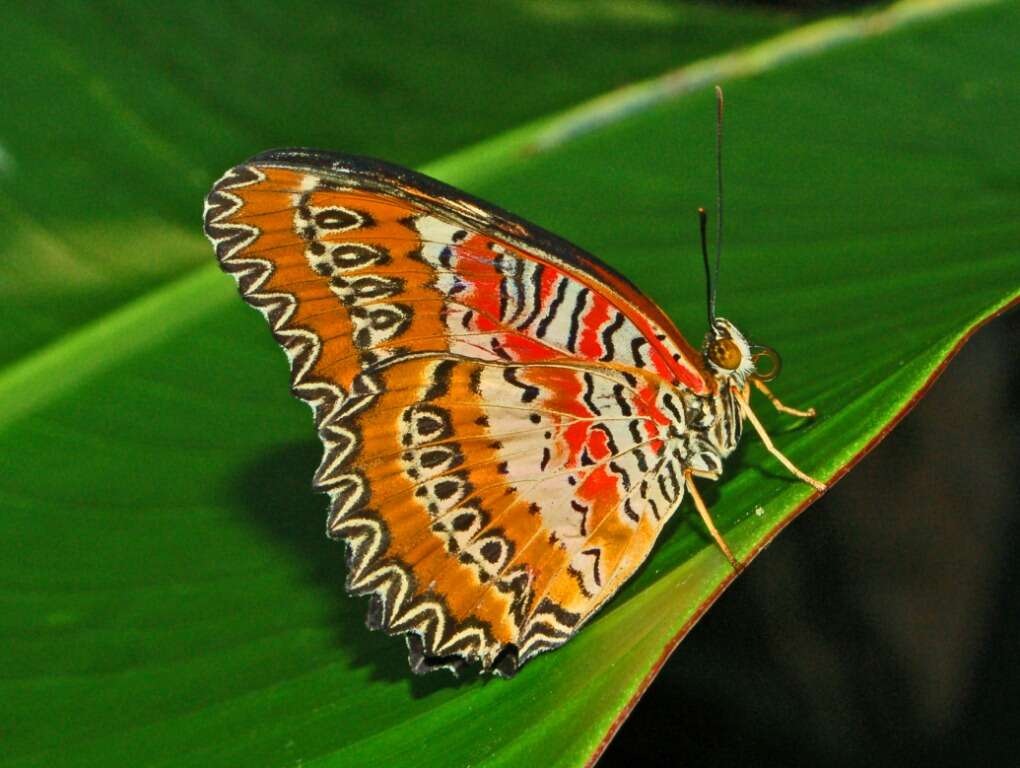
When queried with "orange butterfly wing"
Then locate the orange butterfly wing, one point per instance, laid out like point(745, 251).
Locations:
point(494, 403)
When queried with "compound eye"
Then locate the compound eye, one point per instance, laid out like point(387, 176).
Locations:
point(725, 353)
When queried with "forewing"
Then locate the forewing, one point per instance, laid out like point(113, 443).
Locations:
point(492, 401)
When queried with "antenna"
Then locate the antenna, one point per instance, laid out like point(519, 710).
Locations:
point(719, 190)
point(709, 283)
point(712, 280)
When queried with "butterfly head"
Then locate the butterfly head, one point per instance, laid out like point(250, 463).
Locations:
point(733, 359)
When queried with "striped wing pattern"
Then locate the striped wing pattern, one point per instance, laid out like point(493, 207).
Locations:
point(499, 410)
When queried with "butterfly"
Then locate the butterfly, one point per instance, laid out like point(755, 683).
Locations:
point(507, 422)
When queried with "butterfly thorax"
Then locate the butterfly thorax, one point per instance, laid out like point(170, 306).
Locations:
point(706, 433)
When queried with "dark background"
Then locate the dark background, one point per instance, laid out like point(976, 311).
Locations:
point(881, 627)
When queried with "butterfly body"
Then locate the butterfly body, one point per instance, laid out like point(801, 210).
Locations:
point(507, 422)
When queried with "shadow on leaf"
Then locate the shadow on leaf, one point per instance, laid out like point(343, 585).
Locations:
point(276, 494)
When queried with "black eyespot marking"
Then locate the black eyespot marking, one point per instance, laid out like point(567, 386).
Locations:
point(428, 425)
point(446, 488)
point(491, 551)
point(432, 459)
point(342, 219)
point(357, 255)
point(463, 522)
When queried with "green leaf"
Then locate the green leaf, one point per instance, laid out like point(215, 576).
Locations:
point(171, 597)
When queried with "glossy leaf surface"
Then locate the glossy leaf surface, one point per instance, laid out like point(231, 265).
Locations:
point(171, 597)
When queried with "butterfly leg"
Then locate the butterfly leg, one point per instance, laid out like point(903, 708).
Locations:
point(808, 414)
point(707, 519)
point(746, 408)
